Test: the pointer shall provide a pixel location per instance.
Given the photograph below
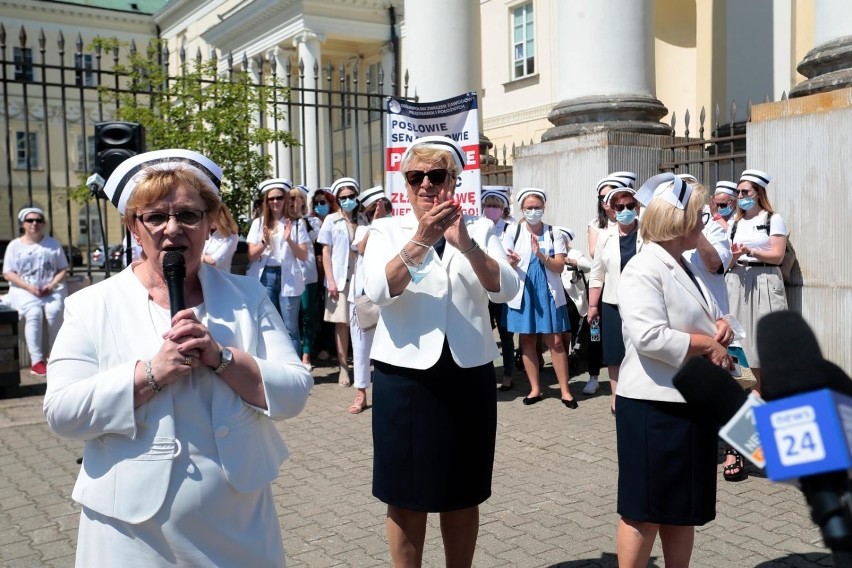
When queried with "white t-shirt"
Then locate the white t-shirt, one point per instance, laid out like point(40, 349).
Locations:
point(752, 232)
point(35, 263)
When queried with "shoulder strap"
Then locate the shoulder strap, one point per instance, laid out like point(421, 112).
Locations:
point(517, 233)
point(766, 223)
point(734, 230)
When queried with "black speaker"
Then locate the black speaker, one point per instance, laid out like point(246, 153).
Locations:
point(115, 141)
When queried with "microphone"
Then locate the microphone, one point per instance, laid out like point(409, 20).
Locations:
point(174, 271)
point(716, 397)
point(803, 424)
point(790, 356)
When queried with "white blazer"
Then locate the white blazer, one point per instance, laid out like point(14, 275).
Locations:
point(523, 248)
point(449, 301)
point(606, 266)
point(128, 453)
point(665, 306)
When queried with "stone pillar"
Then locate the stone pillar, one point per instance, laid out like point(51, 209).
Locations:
point(281, 157)
point(442, 47)
point(606, 69)
point(828, 66)
point(307, 44)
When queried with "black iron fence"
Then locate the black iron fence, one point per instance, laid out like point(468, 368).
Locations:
point(51, 97)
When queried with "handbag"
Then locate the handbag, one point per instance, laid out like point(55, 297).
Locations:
point(367, 312)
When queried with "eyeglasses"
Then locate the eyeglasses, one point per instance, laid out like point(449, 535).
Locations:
point(347, 196)
point(533, 210)
point(36, 221)
point(744, 192)
point(623, 206)
point(278, 198)
point(316, 203)
point(722, 205)
point(187, 218)
point(415, 177)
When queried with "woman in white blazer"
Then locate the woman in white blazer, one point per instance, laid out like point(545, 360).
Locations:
point(432, 271)
point(176, 411)
point(666, 458)
point(539, 307)
point(614, 248)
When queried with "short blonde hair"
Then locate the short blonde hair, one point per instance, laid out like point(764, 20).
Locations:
point(663, 222)
point(157, 184)
point(433, 156)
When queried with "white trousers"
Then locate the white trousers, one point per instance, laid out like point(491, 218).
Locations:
point(31, 308)
point(362, 342)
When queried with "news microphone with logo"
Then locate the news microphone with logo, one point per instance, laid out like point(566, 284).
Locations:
point(804, 424)
point(713, 395)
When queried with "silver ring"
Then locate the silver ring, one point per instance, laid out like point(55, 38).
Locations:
point(187, 360)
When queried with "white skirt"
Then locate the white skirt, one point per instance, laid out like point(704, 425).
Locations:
point(753, 292)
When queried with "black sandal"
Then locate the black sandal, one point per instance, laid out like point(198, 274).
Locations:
point(735, 471)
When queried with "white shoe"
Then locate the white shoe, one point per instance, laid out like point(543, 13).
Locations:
point(591, 386)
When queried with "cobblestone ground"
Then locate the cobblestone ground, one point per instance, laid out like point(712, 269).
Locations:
point(553, 500)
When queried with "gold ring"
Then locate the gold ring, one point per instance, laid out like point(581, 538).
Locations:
point(187, 360)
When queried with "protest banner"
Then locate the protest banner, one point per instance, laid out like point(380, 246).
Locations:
point(456, 118)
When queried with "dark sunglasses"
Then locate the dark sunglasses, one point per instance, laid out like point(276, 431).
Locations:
point(37, 221)
point(743, 192)
point(319, 203)
point(622, 206)
point(279, 198)
point(415, 177)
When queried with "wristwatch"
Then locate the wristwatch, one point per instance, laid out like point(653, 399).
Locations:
point(225, 358)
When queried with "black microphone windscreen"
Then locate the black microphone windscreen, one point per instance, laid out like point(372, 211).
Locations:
point(709, 390)
point(791, 361)
point(173, 264)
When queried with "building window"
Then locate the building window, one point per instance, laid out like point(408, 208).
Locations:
point(85, 153)
point(26, 150)
point(84, 76)
point(23, 57)
point(523, 41)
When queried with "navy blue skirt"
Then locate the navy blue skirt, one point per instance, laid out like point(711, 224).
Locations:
point(666, 463)
point(612, 337)
point(433, 435)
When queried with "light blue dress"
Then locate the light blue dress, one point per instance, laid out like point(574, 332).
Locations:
point(538, 312)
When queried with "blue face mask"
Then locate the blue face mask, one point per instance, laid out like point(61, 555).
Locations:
point(533, 216)
point(726, 211)
point(348, 203)
point(321, 210)
point(625, 217)
point(746, 203)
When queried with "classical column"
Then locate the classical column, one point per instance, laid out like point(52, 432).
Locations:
point(828, 66)
point(442, 47)
point(307, 44)
point(605, 69)
point(281, 156)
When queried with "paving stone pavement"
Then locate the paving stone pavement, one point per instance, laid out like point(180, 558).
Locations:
point(553, 502)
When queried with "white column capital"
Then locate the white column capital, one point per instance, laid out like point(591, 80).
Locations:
point(308, 36)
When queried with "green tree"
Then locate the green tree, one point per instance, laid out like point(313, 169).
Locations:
point(202, 111)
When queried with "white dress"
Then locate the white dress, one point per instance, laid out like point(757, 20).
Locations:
point(204, 521)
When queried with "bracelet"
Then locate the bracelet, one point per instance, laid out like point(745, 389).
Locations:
point(408, 258)
point(149, 376)
point(418, 243)
point(473, 247)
